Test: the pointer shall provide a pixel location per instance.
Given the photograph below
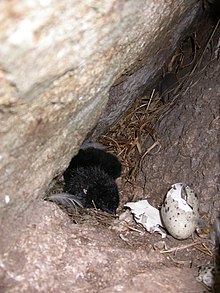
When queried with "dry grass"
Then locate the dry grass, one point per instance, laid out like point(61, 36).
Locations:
point(127, 139)
point(93, 216)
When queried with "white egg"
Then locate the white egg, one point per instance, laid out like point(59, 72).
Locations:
point(179, 212)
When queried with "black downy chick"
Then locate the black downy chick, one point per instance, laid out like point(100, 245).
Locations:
point(90, 181)
point(94, 157)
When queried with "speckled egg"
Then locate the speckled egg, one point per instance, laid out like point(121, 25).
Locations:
point(179, 212)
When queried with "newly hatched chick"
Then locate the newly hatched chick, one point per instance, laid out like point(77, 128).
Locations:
point(93, 157)
point(90, 181)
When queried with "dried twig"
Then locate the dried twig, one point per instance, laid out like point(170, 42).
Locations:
point(177, 248)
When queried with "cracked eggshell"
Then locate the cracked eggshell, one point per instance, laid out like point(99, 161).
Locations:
point(179, 212)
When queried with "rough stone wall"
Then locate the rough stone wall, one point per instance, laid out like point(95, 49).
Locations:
point(189, 138)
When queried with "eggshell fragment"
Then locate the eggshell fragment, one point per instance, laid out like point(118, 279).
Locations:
point(179, 212)
point(147, 216)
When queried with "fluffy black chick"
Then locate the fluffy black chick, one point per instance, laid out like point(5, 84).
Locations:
point(90, 181)
point(93, 157)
